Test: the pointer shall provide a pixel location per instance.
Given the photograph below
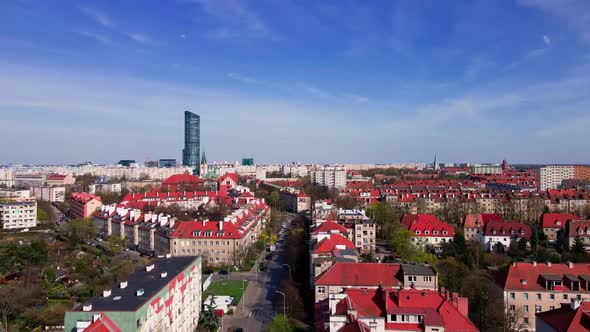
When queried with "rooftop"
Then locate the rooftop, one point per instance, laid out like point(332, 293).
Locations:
point(126, 299)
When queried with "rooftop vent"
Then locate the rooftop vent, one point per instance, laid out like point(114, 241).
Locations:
point(123, 284)
point(116, 298)
point(522, 281)
point(140, 292)
point(106, 293)
point(168, 255)
point(163, 274)
point(87, 307)
point(150, 267)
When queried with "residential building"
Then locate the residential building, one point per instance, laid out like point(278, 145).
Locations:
point(30, 180)
point(578, 229)
point(97, 188)
point(551, 177)
point(429, 232)
point(21, 213)
point(503, 233)
point(333, 177)
point(294, 170)
point(531, 288)
point(486, 169)
point(167, 163)
point(220, 242)
point(165, 296)
point(50, 194)
point(362, 229)
point(381, 309)
point(83, 205)
point(342, 275)
point(474, 223)
point(60, 180)
point(183, 182)
point(192, 141)
point(568, 318)
point(15, 194)
point(295, 200)
point(551, 223)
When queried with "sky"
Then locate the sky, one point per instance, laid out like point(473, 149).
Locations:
point(282, 80)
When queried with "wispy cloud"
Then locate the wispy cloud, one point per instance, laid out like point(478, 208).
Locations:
point(313, 90)
point(140, 38)
point(244, 79)
point(575, 13)
point(236, 20)
point(98, 16)
point(356, 98)
point(102, 38)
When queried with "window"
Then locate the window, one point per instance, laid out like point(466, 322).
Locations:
point(526, 308)
point(538, 308)
point(538, 296)
point(393, 318)
point(552, 307)
point(565, 296)
point(552, 297)
point(321, 290)
point(525, 296)
point(512, 307)
point(513, 295)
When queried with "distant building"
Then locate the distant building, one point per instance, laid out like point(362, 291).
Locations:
point(15, 194)
point(294, 170)
point(551, 177)
point(567, 318)
point(428, 231)
point(20, 213)
point(578, 229)
point(83, 205)
point(60, 180)
point(166, 296)
point(150, 163)
point(486, 169)
point(127, 163)
point(49, 194)
point(551, 223)
point(183, 182)
point(333, 177)
point(192, 141)
point(247, 161)
point(167, 163)
point(97, 188)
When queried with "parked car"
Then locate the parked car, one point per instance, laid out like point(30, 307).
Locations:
point(223, 272)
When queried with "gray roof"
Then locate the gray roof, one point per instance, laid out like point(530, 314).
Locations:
point(151, 282)
point(551, 276)
point(418, 269)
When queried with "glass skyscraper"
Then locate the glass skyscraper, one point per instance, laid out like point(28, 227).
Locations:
point(192, 141)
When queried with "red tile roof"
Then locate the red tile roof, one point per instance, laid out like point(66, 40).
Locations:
point(330, 227)
point(427, 225)
point(556, 220)
point(526, 276)
point(565, 319)
point(579, 228)
point(83, 197)
point(508, 228)
point(103, 324)
point(361, 274)
point(333, 241)
point(182, 179)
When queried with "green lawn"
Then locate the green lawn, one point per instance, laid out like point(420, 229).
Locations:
point(226, 287)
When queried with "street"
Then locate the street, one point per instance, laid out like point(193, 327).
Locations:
point(257, 307)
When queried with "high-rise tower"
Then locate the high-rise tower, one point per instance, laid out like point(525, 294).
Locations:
point(192, 141)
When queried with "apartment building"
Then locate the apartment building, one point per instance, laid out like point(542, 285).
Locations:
point(429, 232)
point(49, 194)
point(474, 223)
point(503, 233)
point(342, 275)
point(294, 170)
point(578, 229)
point(551, 223)
point(19, 213)
point(333, 177)
point(97, 188)
point(531, 288)
point(383, 309)
point(486, 169)
point(165, 296)
point(15, 194)
point(551, 177)
point(572, 317)
point(83, 205)
point(220, 242)
point(362, 229)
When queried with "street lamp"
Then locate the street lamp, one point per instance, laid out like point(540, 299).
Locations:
point(288, 266)
point(243, 292)
point(284, 303)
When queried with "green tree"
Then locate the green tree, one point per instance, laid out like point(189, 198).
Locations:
point(280, 323)
point(77, 231)
point(273, 198)
point(451, 273)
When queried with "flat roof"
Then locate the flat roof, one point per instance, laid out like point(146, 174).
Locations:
point(125, 299)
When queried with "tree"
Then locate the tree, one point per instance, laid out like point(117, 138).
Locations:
point(514, 321)
point(78, 231)
point(280, 323)
point(577, 252)
point(273, 198)
point(499, 248)
point(208, 319)
point(451, 273)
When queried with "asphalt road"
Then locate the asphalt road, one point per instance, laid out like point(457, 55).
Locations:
point(256, 310)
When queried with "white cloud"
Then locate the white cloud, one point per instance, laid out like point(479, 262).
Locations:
point(98, 16)
point(102, 38)
point(313, 90)
point(140, 38)
point(547, 40)
point(236, 20)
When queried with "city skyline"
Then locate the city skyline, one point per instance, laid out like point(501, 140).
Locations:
point(332, 82)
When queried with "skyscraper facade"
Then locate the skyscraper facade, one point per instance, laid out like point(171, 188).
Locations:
point(192, 141)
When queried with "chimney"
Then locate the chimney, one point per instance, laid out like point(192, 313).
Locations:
point(574, 303)
point(220, 225)
point(462, 305)
point(548, 264)
point(570, 265)
point(163, 274)
point(513, 263)
point(87, 307)
point(139, 292)
point(150, 267)
point(123, 284)
point(168, 255)
point(106, 293)
point(534, 263)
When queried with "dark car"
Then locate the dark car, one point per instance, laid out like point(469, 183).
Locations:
point(239, 329)
point(223, 272)
point(269, 256)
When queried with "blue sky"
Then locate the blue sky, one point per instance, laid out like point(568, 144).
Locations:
point(312, 81)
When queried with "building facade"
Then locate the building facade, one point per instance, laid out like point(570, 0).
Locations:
point(333, 177)
point(17, 214)
point(550, 177)
point(50, 194)
point(166, 296)
point(191, 153)
point(83, 205)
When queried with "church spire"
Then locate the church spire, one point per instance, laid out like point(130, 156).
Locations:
point(204, 159)
point(435, 165)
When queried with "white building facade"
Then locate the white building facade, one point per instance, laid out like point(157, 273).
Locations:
point(18, 214)
point(550, 177)
point(333, 177)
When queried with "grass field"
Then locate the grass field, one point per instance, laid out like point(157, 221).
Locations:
point(226, 287)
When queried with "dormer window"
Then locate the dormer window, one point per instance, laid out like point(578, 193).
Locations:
point(435, 232)
point(417, 232)
point(426, 232)
point(558, 223)
point(445, 232)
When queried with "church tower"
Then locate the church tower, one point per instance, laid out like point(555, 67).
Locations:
point(435, 165)
point(204, 166)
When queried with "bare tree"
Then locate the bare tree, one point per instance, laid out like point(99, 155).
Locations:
point(515, 321)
